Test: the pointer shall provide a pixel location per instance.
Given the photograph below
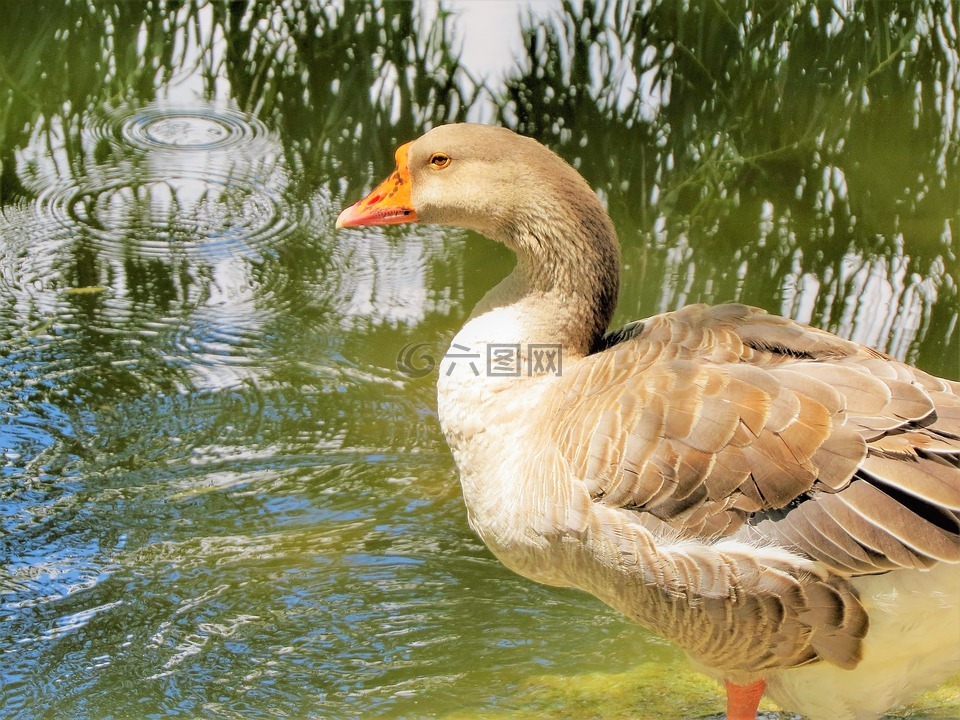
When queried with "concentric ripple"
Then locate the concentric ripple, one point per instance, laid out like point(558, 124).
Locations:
point(162, 180)
point(146, 232)
point(208, 212)
point(164, 127)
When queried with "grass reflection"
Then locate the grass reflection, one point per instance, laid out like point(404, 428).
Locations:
point(782, 140)
point(212, 467)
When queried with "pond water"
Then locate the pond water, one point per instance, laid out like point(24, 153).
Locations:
point(221, 495)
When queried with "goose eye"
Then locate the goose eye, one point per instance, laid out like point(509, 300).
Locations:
point(439, 160)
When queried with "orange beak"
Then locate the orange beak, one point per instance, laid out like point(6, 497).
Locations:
point(389, 204)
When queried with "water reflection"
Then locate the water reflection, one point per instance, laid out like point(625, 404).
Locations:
point(165, 127)
point(763, 139)
point(143, 227)
point(216, 486)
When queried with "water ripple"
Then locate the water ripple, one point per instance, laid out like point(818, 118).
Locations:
point(145, 228)
point(171, 127)
point(210, 211)
point(160, 180)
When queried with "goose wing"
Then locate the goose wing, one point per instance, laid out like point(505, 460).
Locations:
point(722, 419)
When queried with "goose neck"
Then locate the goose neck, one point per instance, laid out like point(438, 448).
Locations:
point(565, 283)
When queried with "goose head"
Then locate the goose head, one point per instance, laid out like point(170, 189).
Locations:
point(480, 177)
point(512, 189)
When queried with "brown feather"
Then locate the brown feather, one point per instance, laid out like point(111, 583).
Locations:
point(907, 527)
point(802, 378)
point(908, 401)
point(838, 458)
point(850, 521)
point(862, 393)
point(923, 478)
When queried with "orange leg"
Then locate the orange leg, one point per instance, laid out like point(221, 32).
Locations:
point(742, 700)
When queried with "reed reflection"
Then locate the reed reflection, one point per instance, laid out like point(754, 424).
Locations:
point(778, 140)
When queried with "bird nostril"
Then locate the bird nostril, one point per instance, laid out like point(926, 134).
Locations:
point(374, 199)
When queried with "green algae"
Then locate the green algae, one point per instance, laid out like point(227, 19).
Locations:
point(650, 691)
point(942, 703)
point(657, 691)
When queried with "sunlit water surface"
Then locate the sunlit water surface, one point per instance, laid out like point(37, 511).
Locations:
point(220, 496)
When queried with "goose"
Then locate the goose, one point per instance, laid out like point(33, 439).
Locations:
point(780, 502)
